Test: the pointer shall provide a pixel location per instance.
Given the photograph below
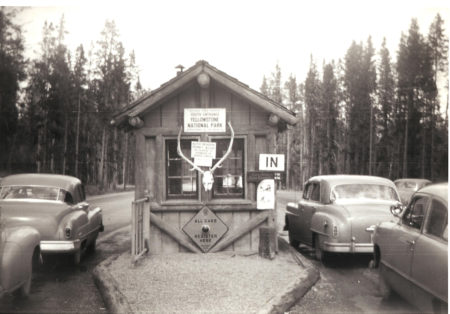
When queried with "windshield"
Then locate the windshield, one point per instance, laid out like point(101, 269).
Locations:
point(32, 192)
point(364, 192)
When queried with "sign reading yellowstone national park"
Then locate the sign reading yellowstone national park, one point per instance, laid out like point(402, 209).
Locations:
point(204, 119)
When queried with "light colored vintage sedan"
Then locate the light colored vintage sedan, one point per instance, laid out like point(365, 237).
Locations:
point(56, 206)
point(19, 256)
point(336, 210)
point(412, 251)
point(408, 186)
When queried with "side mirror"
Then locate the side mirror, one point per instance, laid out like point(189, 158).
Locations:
point(397, 209)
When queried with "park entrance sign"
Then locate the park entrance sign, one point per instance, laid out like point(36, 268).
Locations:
point(199, 138)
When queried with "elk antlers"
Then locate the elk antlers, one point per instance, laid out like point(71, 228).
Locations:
point(208, 178)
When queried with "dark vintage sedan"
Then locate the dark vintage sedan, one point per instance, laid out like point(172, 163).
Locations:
point(412, 251)
point(336, 210)
point(55, 205)
point(406, 187)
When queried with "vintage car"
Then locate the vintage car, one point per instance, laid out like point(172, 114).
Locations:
point(407, 187)
point(19, 256)
point(411, 252)
point(56, 206)
point(336, 210)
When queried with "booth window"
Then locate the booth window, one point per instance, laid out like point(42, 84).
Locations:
point(228, 179)
point(181, 183)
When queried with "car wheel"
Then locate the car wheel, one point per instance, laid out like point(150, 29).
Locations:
point(383, 286)
point(319, 253)
point(77, 257)
point(293, 242)
point(91, 248)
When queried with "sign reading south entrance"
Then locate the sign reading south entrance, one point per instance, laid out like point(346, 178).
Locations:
point(205, 229)
point(204, 120)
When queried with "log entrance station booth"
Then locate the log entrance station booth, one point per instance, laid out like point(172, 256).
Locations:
point(205, 163)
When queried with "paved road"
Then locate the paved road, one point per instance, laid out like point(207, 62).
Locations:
point(347, 284)
point(62, 288)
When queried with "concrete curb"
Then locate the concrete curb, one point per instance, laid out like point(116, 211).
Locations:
point(282, 302)
point(116, 302)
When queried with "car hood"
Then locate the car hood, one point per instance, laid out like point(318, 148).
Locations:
point(45, 216)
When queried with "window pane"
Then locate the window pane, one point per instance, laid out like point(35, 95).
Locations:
point(438, 219)
point(228, 180)
point(181, 182)
point(415, 212)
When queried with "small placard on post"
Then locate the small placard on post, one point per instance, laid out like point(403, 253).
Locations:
point(265, 194)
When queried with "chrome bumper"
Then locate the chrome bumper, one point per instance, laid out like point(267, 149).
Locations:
point(60, 246)
point(348, 247)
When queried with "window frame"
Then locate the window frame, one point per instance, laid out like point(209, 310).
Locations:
point(166, 171)
point(212, 138)
point(428, 219)
point(407, 221)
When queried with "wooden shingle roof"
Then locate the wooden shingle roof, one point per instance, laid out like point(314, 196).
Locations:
point(153, 98)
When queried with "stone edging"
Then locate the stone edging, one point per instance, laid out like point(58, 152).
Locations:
point(116, 302)
point(282, 302)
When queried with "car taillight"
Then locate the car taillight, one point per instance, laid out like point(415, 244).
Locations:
point(335, 231)
point(68, 232)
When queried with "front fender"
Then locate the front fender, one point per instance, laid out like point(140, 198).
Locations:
point(16, 256)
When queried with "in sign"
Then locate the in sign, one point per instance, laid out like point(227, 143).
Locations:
point(271, 162)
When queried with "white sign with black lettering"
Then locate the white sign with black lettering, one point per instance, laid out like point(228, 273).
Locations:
point(271, 162)
point(203, 153)
point(204, 120)
point(265, 194)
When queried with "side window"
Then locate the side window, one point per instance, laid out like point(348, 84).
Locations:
point(415, 212)
point(181, 183)
point(68, 198)
point(437, 221)
point(306, 191)
point(315, 193)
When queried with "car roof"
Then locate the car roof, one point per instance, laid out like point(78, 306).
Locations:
point(348, 178)
point(42, 179)
point(412, 180)
point(438, 189)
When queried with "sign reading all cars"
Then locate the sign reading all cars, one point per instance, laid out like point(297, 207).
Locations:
point(205, 229)
point(204, 120)
point(271, 162)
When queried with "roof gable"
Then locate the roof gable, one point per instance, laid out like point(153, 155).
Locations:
point(150, 100)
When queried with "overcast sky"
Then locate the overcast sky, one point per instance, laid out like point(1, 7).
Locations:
point(245, 39)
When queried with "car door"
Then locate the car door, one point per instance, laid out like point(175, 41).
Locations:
point(82, 206)
point(293, 215)
point(429, 270)
point(398, 249)
point(307, 209)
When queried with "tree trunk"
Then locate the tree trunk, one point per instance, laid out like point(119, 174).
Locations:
point(66, 127)
point(405, 148)
point(125, 162)
point(102, 160)
point(77, 138)
point(371, 140)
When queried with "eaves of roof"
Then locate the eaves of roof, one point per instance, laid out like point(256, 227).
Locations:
point(146, 102)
